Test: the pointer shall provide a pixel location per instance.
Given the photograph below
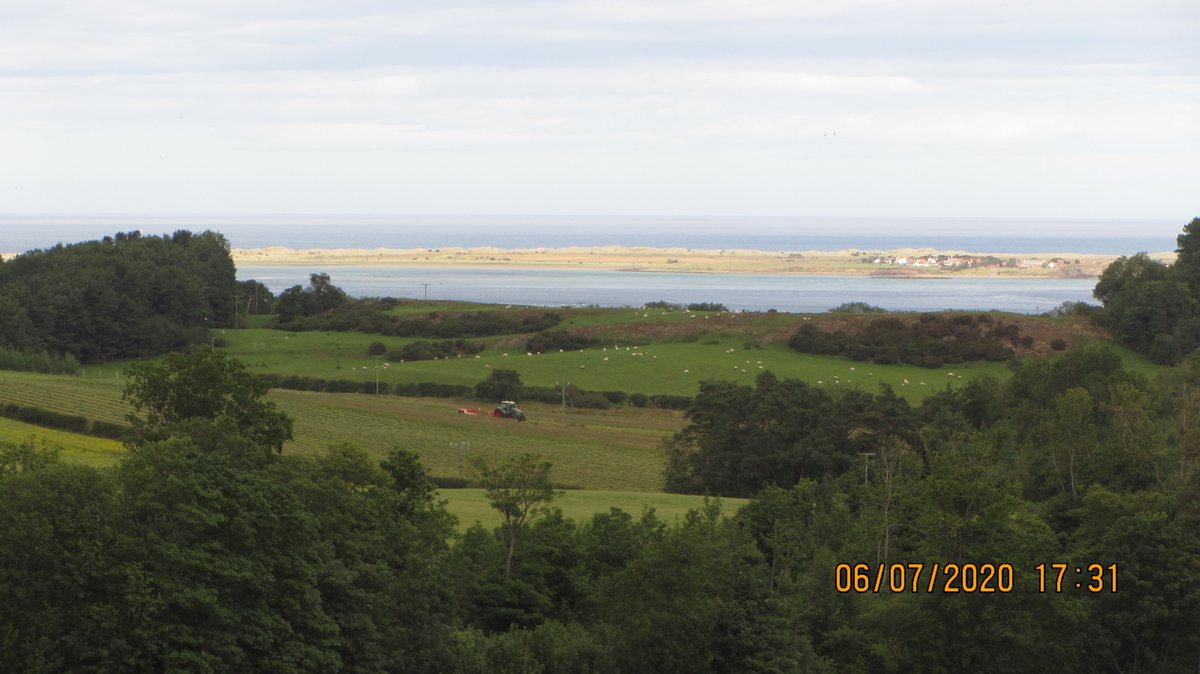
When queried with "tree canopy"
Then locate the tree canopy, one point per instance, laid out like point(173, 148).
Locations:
point(123, 296)
point(202, 384)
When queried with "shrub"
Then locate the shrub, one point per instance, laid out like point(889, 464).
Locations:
point(37, 361)
point(376, 349)
point(105, 429)
point(707, 306)
point(662, 304)
point(639, 399)
point(1058, 344)
point(857, 308)
point(554, 340)
point(615, 397)
point(500, 385)
point(671, 402)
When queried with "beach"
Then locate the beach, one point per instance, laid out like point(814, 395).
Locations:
point(923, 262)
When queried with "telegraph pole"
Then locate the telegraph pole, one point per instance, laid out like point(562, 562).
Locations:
point(426, 290)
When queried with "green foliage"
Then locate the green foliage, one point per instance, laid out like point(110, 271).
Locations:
point(256, 298)
point(1151, 307)
point(558, 340)
point(1072, 309)
point(857, 308)
point(519, 488)
point(500, 385)
point(931, 341)
point(739, 439)
point(663, 304)
point(298, 302)
point(38, 361)
point(202, 384)
point(706, 306)
point(124, 296)
point(301, 309)
point(434, 350)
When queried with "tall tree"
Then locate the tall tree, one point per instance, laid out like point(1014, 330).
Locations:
point(519, 488)
point(206, 385)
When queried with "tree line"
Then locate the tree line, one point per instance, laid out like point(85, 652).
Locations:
point(206, 549)
point(122, 296)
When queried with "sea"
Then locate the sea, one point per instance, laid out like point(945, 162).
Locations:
point(561, 287)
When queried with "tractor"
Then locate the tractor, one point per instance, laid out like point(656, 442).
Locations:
point(508, 410)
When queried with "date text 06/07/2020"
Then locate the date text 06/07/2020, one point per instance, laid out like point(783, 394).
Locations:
point(985, 578)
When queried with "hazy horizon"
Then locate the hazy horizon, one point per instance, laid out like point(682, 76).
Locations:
point(1012, 108)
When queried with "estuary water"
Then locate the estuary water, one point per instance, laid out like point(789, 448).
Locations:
point(750, 292)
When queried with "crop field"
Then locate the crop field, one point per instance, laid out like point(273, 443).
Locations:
point(76, 448)
point(617, 450)
point(471, 506)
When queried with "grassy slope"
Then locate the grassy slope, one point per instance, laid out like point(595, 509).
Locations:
point(663, 367)
point(76, 448)
point(470, 505)
point(616, 450)
point(613, 450)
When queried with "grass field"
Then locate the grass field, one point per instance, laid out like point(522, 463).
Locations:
point(664, 367)
point(470, 505)
point(76, 448)
point(614, 450)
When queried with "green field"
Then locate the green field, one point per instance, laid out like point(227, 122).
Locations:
point(470, 505)
point(663, 367)
point(590, 449)
point(618, 450)
point(75, 448)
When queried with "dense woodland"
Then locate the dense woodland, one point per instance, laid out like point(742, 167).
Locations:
point(208, 550)
point(124, 296)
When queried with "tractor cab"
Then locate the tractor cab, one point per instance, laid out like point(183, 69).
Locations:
point(508, 410)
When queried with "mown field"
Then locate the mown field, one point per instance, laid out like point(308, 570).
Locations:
point(616, 450)
point(675, 368)
point(75, 448)
point(468, 505)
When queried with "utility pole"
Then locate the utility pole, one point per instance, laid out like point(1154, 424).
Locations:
point(377, 374)
point(236, 297)
point(426, 290)
point(564, 385)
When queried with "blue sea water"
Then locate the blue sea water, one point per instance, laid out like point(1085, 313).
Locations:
point(614, 288)
point(751, 292)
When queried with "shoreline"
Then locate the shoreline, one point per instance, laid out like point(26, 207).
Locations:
point(896, 263)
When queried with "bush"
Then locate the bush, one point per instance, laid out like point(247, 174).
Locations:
point(500, 385)
point(639, 399)
point(40, 417)
point(376, 349)
point(434, 350)
point(930, 341)
point(857, 308)
point(1058, 344)
point(37, 361)
point(555, 340)
point(104, 429)
point(615, 397)
point(662, 304)
point(707, 306)
point(671, 402)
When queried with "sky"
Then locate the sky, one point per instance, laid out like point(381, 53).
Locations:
point(865, 108)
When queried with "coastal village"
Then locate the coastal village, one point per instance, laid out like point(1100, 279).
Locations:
point(967, 261)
